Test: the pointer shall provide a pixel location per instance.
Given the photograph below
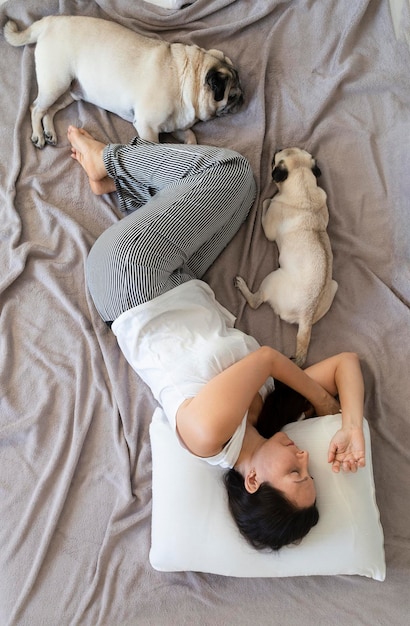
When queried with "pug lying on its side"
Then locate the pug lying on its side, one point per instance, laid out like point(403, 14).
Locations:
point(301, 290)
point(158, 86)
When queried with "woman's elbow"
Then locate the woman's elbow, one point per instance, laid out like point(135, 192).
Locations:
point(350, 356)
point(196, 436)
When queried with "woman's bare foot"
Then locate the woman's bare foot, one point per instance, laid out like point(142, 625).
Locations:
point(89, 154)
point(99, 187)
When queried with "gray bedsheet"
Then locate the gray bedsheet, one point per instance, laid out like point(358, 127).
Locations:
point(75, 461)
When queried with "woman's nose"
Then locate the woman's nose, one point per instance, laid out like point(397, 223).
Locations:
point(303, 454)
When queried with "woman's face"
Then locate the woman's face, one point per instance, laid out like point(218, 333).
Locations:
point(281, 464)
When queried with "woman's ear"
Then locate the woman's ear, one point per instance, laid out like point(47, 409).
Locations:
point(251, 481)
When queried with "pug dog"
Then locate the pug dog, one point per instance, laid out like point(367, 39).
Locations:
point(301, 290)
point(160, 87)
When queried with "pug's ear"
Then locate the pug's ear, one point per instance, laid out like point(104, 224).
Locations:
point(274, 156)
point(217, 53)
point(316, 170)
point(279, 173)
point(217, 82)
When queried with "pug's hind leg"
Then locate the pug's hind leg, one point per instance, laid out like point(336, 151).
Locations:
point(254, 299)
point(50, 134)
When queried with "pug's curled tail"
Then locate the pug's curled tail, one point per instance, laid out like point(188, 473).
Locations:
point(16, 37)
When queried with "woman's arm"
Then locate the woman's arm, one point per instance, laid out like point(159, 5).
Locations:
point(342, 374)
point(208, 420)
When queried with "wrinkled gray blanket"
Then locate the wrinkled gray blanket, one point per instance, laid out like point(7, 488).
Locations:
point(75, 461)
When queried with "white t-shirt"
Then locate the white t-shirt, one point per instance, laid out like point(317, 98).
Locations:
point(179, 341)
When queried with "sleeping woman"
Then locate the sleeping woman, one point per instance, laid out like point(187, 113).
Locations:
point(215, 383)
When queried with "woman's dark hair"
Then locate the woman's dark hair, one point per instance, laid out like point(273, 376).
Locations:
point(282, 406)
point(266, 518)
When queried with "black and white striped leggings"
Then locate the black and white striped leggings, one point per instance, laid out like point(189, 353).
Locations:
point(186, 204)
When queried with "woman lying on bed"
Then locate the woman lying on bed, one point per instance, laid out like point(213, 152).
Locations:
point(144, 274)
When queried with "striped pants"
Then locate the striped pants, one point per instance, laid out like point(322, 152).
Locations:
point(184, 205)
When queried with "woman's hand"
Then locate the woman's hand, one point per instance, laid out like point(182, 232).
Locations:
point(347, 449)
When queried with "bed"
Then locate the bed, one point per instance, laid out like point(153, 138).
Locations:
point(76, 465)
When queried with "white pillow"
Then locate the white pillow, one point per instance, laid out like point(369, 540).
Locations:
point(192, 528)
